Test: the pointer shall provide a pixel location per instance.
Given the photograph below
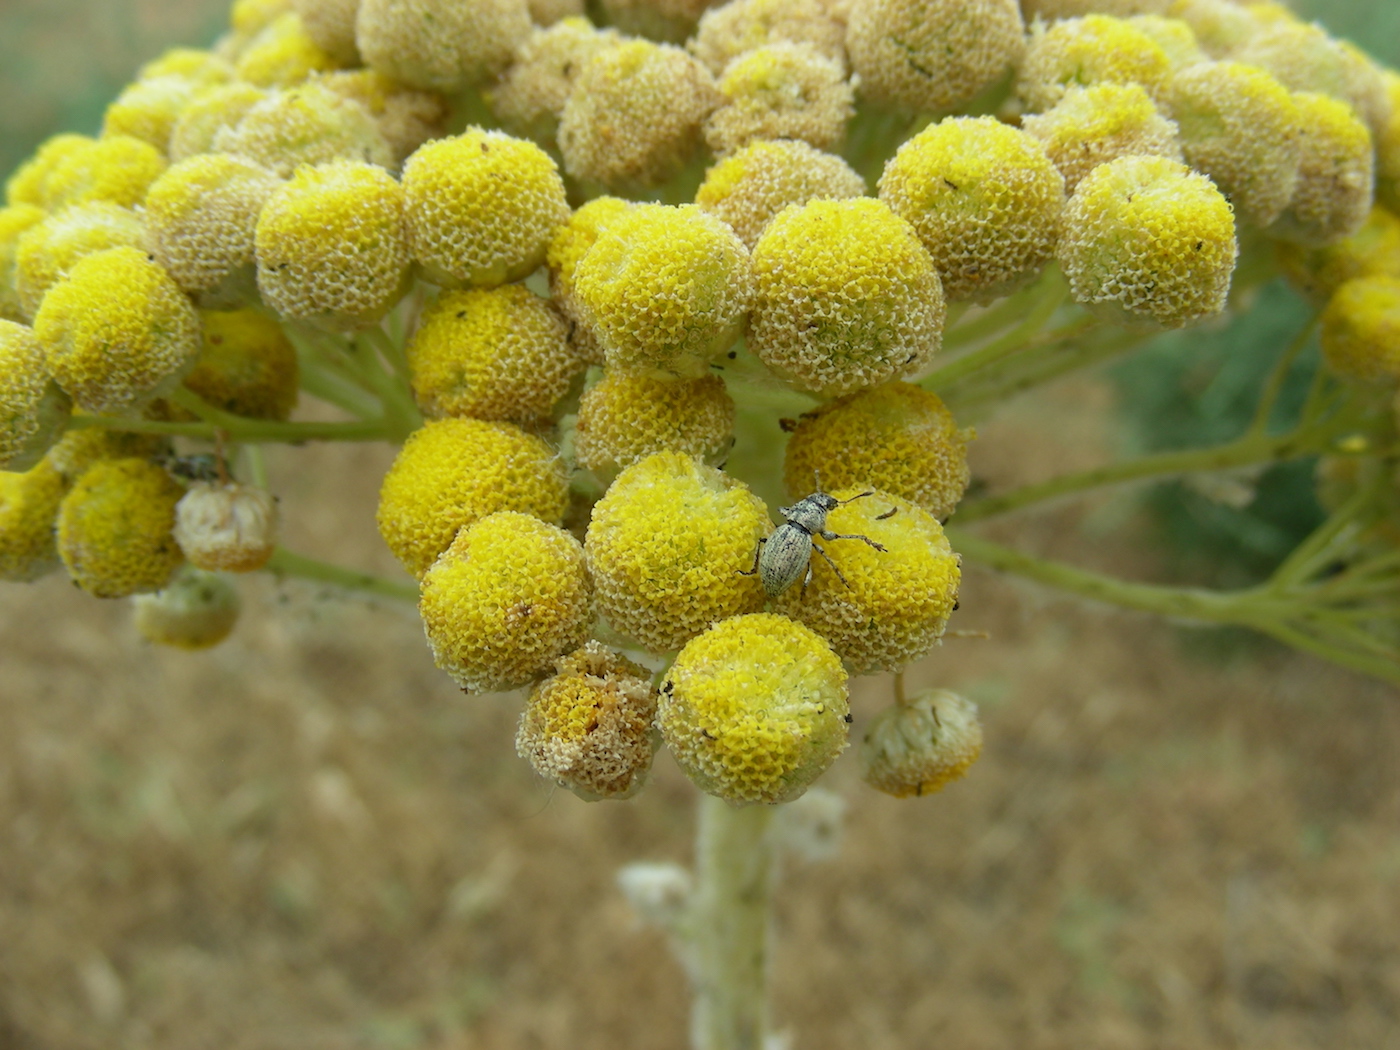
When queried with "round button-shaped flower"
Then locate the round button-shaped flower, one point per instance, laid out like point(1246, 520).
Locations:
point(568, 247)
point(507, 598)
point(307, 124)
point(846, 297)
point(148, 109)
point(729, 30)
point(406, 118)
point(1361, 329)
point(440, 45)
point(755, 709)
point(666, 546)
point(530, 97)
point(452, 472)
point(28, 183)
point(118, 169)
point(1336, 174)
point(1095, 49)
point(921, 747)
point(211, 111)
point(196, 610)
point(1373, 250)
point(29, 504)
point(247, 365)
point(80, 448)
point(46, 251)
point(624, 418)
point(781, 91)
point(222, 526)
point(15, 221)
point(893, 604)
point(33, 410)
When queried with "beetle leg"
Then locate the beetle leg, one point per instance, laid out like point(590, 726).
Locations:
point(758, 553)
point(888, 514)
point(827, 556)
point(850, 536)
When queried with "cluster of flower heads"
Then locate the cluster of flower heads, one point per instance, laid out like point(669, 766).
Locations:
point(325, 167)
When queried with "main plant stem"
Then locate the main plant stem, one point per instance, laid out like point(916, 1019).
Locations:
point(729, 920)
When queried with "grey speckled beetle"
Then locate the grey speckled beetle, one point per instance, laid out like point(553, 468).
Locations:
point(782, 557)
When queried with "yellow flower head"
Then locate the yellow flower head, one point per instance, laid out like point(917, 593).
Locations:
point(282, 55)
point(932, 55)
point(750, 186)
point(492, 353)
point(33, 410)
point(15, 221)
point(507, 598)
point(115, 528)
point(894, 604)
point(1149, 241)
point(730, 30)
point(117, 331)
point(588, 727)
point(1173, 35)
point(248, 18)
point(569, 245)
point(921, 747)
point(79, 449)
point(47, 250)
point(196, 610)
point(781, 91)
point(1094, 49)
point(118, 169)
point(202, 68)
point(530, 97)
point(985, 200)
point(1094, 125)
point(1220, 26)
point(331, 26)
point(846, 297)
point(441, 45)
point(211, 111)
point(1361, 329)
point(624, 418)
point(29, 183)
point(482, 208)
point(452, 472)
point(633, 118)
point(1373, 250)
point(755, 709)
point(1240, 126)
point(894, 437)
point(247, 365)
point(406, 117)
point(664, 289)
point(1336, 174)
point(666, 546)
point(148, 109)
point(28, 510)
point(308, 124)
point(201, 215)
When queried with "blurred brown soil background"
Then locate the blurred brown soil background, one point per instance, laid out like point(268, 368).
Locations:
point(307, 838)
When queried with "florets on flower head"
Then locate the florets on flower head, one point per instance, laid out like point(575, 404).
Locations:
point(482, 208)
point(208, 113)
point(117, 331)
point(1373, 250)
point(894, 604)
point(781, 91)
point(202, 68)
point(1336, 174)
point(749, 187)
point(665, 548)
point(117, 169)
point(1241, 127)
point(895, 437)
point(29, 504)
point(506, 599)
point(664, 289)
point(1148, 240)
point(246, 366)
point(28, 184)
point(282, 55)
point(529, 100)
point(624, 418)
point(932, 55)
point(729, 31)
point(846, 297)
point(308, 124)
point(755, 709)
point(452, 472)
point(201, 215)
point(633, 118)
point(1220, 26)
point(115, 528)
point(670, 20)
point(1094, 49)
point(1361, 329)
point(195, 610)
point(406, 117)
point(33, 410)
point(440, 45)
point(222, 526)
point(1173, 36)
point(332, 245)
point(1091, 126)
point(568, 247)
point(47, 250)
point(330, 24)
point(79, 449)
point(15, 221)
point(588, 727)
point(498, 353)
point(248, 18)
point(149, 109)
point(985, 200)
point(921, 747)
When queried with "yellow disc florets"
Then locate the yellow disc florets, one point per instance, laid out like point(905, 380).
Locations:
point(115, 528)
point(441, 45)
point(1361, 329)
point(985, 200)
point(196, 610)
point(482, 207)
point(331, 25)
point(203, 68)
point(932, 55)
point(332, 247)
point(846, 296)
point(118, 169)
point(726, 32)
point(895, 603)
point(755, 709)
point(624, 418)
point(1373, 250)
point(148, 109)
point(921, 747)
point(33, 410)
point(1094, 49)
point(894, 437)
point(79, 449)
point(29, 183)
point(406, 117)
point(117, 331)
point(1148, 240)
point(589, 727)
point(664, 289)
point(247, 365)
point(666, 546)
point(1336, 174)
point(28, 509)
point(47, 250)
point(569, 245)
point(282, 55)
point(781, 91)
point(308, 124)
point(451, 472)
point(15, 222)
point(506, 599)
point(530, 98)
point(498, 353)
point(210, 112)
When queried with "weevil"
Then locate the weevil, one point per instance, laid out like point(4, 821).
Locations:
point(782, 557)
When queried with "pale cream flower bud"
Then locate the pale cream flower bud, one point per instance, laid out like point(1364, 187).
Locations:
point(920, 747)
point(226, 527)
